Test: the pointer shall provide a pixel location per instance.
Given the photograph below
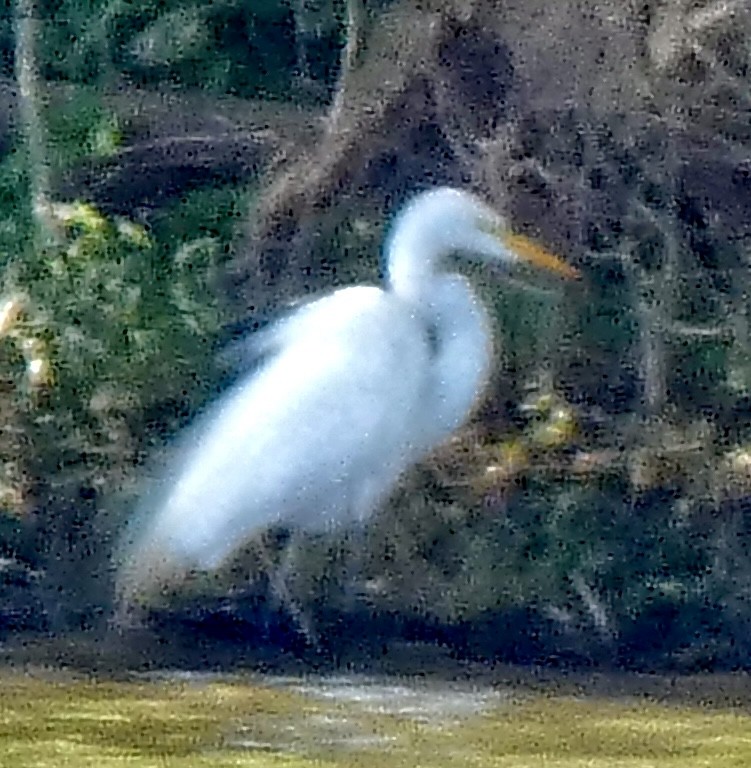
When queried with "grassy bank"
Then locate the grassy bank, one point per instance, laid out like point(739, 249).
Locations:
point(55, 719)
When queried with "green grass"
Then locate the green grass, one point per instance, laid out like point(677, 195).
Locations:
point(57, 720)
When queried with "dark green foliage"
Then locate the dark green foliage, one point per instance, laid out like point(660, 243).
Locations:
point(248, 49)
point(115, 324)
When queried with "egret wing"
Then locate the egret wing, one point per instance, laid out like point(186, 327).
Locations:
point(317, 436)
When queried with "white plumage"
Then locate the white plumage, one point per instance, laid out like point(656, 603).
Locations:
point(358, 386)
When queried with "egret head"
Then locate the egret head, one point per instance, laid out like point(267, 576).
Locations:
point(447, 221)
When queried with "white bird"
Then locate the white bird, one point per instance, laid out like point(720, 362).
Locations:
point(358, 386)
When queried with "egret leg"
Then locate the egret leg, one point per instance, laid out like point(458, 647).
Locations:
point(279, 578)
point(344, 555)
point(355, 569)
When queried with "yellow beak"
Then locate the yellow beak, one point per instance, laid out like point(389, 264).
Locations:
point(533, 254)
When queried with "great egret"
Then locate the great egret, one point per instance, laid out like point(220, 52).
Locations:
point(358, 386)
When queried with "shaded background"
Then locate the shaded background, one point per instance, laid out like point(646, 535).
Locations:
point(238, 157)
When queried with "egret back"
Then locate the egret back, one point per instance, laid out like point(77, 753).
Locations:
point(315, 438)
